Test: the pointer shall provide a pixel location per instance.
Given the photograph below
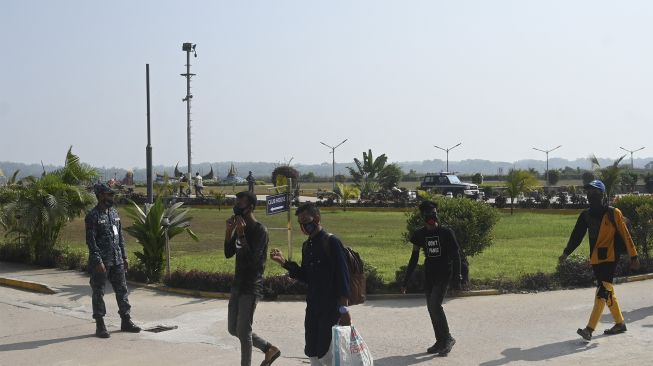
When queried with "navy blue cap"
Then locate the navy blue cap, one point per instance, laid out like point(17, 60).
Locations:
point(100, 188)
point(596, 184)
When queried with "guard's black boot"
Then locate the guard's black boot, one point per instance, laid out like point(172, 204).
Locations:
point(101, 329)
point(128, 326)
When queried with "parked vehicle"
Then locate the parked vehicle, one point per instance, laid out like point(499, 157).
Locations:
point(446, 183)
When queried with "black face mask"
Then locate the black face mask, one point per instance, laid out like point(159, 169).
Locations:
point(595, 199)
point(239, 211)
point(308, 228)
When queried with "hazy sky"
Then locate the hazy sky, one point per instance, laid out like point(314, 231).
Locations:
point(276, 77)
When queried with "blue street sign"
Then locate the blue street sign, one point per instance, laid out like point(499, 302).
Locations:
point(276, 203)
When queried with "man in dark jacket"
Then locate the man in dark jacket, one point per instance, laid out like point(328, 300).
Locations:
point(604, 225)
point(247, 239)
point(442, 253)
point(107, 258)
point(324, 270)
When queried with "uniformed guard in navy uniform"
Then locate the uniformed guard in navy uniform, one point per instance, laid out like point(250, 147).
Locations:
point(107, 259)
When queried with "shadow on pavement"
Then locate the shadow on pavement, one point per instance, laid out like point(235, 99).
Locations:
point(20, 346)
point(405, 360)
point(411, 301)
point(541, 353)
point(76, 292)
point(638, 314)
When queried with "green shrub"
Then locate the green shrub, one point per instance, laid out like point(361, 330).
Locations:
point(415, 283)
point(68, 258)
point(471, 221)
point(537, 282)
point(373, 281)
point(575, 271)
point(639, 209)
point(14, 252)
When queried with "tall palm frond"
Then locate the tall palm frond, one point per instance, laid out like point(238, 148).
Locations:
point(610, 176)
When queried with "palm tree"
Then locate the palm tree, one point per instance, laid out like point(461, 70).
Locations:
point(39, 208)
point(149, 231)
point(609, 175)
point(347, 192)
point(519, 181)
point(366, 172)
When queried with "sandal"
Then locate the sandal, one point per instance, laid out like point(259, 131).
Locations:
point(268, 362)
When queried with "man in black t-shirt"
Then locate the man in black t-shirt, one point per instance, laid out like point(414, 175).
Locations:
point(247, 239)
point(442, 263)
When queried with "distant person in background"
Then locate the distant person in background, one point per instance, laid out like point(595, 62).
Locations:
point(107, 259)
point(199, 185)
point(250, 181)
point(182, 185)
point(606, 227)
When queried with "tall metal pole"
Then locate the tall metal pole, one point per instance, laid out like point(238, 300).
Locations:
point(289, 200)
point(165, 222)
point(333, 161)
point(188, 47)
point(447, 151)
point(546, 174)
point(148, 149)
point(632, 166)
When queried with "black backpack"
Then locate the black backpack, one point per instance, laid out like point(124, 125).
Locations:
point(355, 265)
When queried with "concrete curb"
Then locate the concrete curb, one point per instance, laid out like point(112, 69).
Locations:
point(635, 278)
point(45, 289)
point(27, 285)
point(370, 297)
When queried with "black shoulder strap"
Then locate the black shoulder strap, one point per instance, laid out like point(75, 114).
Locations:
point(611, 217)
point(325, 243)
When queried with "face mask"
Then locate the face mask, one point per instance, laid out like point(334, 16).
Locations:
point(431, 219)
point(308, 228)
point(239, 211)
point(595, 199)
point(108, 201)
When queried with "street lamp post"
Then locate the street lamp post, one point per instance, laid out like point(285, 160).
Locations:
point(546, 174)
point(447, 151)
point(333, 161)
point(631, 155)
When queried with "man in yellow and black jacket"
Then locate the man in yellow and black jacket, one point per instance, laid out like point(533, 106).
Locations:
point(606, 227)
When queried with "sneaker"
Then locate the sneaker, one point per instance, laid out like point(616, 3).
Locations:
point(128, 326)
point(435, 348)
point(586, 333)
point(616, 329)
point(101, 329)
point(446, 347)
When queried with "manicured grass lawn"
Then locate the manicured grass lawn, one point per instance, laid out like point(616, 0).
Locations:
point(526, 242)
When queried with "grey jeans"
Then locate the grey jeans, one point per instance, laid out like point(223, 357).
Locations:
point(240, 318)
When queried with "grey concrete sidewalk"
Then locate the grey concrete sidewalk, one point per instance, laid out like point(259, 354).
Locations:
point(528, 329)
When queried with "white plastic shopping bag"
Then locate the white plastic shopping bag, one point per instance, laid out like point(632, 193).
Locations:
point(349, 348)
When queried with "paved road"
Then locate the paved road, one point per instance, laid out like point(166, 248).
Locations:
point(532, 329)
